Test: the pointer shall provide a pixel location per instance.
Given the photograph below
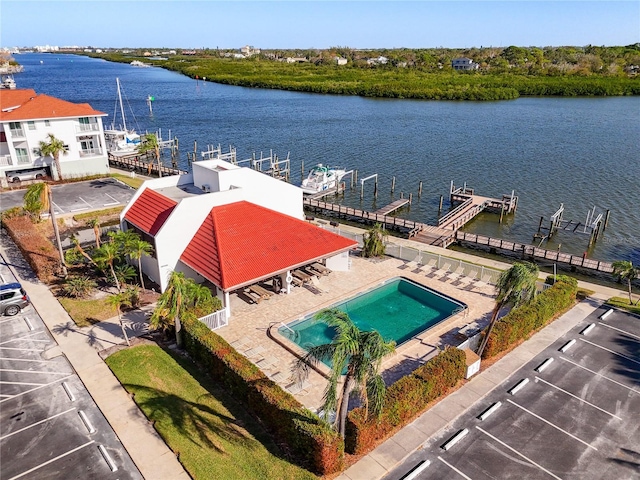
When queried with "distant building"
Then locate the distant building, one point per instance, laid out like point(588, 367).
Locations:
point(464, 64)
point(378, 61)
point(249, 50)
point(27, 118)
point(340, 60)
point(296, 60)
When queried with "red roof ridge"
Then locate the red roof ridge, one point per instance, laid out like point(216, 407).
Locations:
point(150, 211)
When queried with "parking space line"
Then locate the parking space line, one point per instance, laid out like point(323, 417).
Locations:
point(7, 320)
point(23, 359)
point(61, 211)
point(52, 460)
point(33, 371)
point(611, 351)
point(19, 383)
point(37, 423)
point(36, 388)
point(23, 349)
point(518, 453)
point(551, 424)
point(620, 330)
point(115, 201)
point(599, 374)
point(454, 468)
point(17, 339)
point(88, 204)
point(578, 398)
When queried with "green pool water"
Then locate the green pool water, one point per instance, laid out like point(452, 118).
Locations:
point(398, 309)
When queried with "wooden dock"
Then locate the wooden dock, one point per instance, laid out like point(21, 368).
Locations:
point(144, 164)
point(392, 207)
point(531, 251)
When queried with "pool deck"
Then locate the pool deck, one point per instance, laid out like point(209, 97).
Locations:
point(249, 323)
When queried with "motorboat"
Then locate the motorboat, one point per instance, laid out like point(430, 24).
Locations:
point(322, 178)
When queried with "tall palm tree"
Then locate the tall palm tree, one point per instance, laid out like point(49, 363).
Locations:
point(173, 301)
point(95, 224)
point(136, 249)
point(356, 352)
point(117, 301)
point(625, 270)
point(151, 144)
point(515, 286)
point(52, 148)
point(39, 194)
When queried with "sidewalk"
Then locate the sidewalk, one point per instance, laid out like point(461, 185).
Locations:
point(392, 452)
point(81, 346)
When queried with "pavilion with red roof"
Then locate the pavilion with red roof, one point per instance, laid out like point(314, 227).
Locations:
point(253, 231)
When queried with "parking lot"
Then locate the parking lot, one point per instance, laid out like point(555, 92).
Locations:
point(570, 413)
point(50, 426)
point(78, 197)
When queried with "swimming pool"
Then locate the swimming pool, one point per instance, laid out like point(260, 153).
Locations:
point(399, 309)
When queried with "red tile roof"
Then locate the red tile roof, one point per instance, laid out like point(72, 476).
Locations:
point(241, 242)
point(31, 106)
point(150, 210)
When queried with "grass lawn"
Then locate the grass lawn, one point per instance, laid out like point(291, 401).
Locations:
point(135, 182)
point(623, 304)
point(215, 437)
point(87, 312)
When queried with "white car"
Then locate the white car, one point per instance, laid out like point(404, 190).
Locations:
point(22, 175)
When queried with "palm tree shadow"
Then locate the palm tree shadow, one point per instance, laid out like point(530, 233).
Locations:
point(634, 464)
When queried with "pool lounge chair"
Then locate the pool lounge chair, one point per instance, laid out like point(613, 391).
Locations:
point(299, 388)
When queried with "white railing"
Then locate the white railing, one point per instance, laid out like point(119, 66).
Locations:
point(5, 160)
point(90, 152)
point(216, 319)
point(87, 127)
point(16, 132)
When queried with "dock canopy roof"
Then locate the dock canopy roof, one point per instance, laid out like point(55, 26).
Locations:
point(150, 210)
point(241, 243)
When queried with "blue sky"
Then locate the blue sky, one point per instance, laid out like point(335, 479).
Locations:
point(307, 24)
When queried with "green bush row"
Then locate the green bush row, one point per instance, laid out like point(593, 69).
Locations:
point(309, 440)
point(520, 322)
point(404, 400)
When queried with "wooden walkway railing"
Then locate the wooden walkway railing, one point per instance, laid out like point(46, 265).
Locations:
point(142, 164)
point(536, 252)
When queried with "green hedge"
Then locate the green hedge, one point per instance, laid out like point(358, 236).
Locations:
point(309, 440)
point(404, 400)
point(520, 322)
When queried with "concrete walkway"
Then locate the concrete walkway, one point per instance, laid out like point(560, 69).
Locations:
point(392, 452)
point(81, 346)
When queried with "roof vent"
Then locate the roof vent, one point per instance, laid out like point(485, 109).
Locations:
point(206, 188)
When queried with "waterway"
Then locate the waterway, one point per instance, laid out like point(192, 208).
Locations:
point(580, 152)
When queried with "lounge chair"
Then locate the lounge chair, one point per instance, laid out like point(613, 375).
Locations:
point(300, 275)
point(263, 293)
point(240, 343)
point(321, 268)
point(299, 388)
point(254, 352)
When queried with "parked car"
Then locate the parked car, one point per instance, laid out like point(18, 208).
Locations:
point(22, 175)
point(13, 298)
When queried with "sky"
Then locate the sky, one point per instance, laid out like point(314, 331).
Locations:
point(324, 24)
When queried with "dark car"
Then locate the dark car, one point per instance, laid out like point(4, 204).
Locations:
point(13, 298)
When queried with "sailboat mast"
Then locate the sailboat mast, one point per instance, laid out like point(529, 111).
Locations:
point(124, 121)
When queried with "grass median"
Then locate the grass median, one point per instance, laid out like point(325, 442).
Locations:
point(213, 435)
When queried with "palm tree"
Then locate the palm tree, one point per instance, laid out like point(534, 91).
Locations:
point(108, 255)
point(356, 352)
point(52, 148)
point(136, 249)
point(373, 244)
point(624, 270)
point(173, 301)
point(515, 286)
point(39, 194)
point(117, 301)
point(95, 224)
point(151, 144)
point(80, 250)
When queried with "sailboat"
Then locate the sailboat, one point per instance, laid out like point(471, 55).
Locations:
point(121, 140)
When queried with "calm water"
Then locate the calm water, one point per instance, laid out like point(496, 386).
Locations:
point(398, 310)
point(582, 152)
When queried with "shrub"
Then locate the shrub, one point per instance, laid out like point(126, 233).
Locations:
point(78, 287)
point(35, 247)
point(520, 322)
point(405, 400)
point(308, 439)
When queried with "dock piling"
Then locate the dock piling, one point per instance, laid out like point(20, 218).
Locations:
point(420, 189)
point(393, 184)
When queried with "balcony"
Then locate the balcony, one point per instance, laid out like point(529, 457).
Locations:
point(90, 152)
point(5, 160)
point(17, 132)
point(87, 127)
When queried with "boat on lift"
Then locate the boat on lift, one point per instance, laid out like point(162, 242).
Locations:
point(121, 140)
point(322, 178)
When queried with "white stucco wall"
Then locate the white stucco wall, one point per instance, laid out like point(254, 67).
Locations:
point(339, 263)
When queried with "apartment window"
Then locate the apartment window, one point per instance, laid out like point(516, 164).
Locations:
point(84, 120)
point(23, 155)
point(31, 125)
point(47, 123)
point(16, 129)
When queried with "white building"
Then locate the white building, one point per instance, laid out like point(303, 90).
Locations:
point(26, 119)
point(230, 225)
point(464, 64)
